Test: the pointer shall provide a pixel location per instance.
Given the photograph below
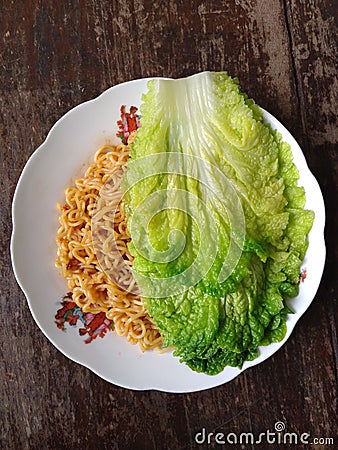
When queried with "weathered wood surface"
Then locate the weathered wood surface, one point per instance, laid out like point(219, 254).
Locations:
point(57, 54)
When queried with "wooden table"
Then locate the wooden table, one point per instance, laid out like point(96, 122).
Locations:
point(57, 54)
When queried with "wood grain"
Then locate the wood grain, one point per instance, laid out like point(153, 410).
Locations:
point(55, 55)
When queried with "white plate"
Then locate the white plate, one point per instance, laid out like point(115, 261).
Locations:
point(67, 150)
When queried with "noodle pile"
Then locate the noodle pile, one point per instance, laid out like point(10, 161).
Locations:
point(98, 272)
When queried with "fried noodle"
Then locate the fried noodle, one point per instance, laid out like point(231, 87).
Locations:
point(85, 255)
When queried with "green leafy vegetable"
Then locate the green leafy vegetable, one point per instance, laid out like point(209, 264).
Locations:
point(216, 218)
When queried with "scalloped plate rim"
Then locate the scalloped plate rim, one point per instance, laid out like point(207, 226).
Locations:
point(207, 381)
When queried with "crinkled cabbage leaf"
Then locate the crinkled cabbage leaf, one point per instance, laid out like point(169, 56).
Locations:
point(217, 220)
